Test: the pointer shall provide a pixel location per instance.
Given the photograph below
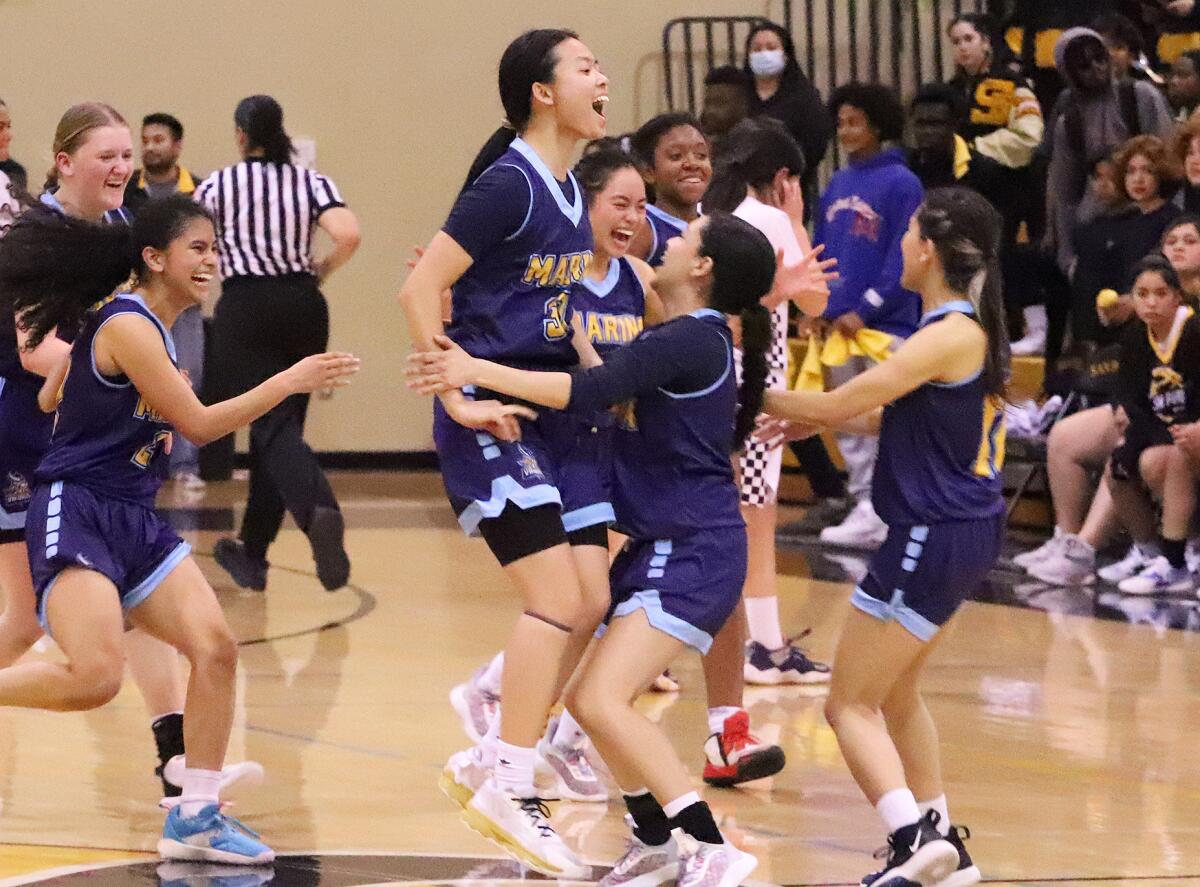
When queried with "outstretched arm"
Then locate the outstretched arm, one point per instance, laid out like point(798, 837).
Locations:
point(129, 344)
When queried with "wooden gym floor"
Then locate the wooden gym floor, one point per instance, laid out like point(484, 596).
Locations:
point(1068, 718)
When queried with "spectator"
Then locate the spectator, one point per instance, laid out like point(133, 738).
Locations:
point(861, 218)
point(1187, 153)
point(1159, 404)
point(1183, 84)
point(1097, 114)
point(726, 102)
point(782, 91)
point(1042, 25)
point(1145, 176)
point(161, 174)
point(1181, 246)
point(676, 163)
point(272, 313)
point(13, 170)
point(1178, 26)
point(1123, 41)
point(10, 206)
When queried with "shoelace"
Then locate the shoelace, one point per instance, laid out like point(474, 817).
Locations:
point(539, 815)
point(237, 823)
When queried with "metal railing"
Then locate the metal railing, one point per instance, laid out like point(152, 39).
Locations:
point(901, 43)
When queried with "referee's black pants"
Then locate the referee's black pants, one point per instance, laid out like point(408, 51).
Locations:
point(263, 325)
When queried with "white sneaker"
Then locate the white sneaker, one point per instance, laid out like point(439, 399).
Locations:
point(476, 706)
point(569, 774)
point(1046, 550)
point(1158, 578)
point(713, 865)
point(1073, 564)
point(1192, 556)
point(862, 528)
point(463, 775)
point(1034, 340)
point(643, 865)
point(191, 481)
point(521, 827)
point(1134, 562)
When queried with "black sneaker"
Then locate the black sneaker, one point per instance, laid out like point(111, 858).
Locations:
point(168, 739)
point(326, 530)
point(246, 572)
point(827, 513)
point(967, 872)
point(917, 855)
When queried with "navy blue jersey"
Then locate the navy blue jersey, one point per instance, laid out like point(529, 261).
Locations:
point(663, 226)
point(672, 473)
point(106, 437)
point(612, 309)
point(941, 450)
point(530, 241)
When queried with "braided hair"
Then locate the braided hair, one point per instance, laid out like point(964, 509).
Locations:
point(965, 230)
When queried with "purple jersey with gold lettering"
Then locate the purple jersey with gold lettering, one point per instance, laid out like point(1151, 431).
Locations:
point(611, 309)
point(530, 243)
point(941, 450)
point(106, 437)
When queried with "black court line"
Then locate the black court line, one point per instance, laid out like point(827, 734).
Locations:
point(366, 605)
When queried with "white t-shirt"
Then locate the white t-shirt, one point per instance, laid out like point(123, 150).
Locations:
point(9, 207)
point(775, 224)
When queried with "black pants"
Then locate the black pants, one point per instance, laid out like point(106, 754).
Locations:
point(822, 474)
point(263, 325)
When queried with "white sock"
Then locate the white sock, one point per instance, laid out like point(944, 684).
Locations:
point(938, 804)
point(763, 615)
point(568, 733)
point(514, 769)
point(490, 679)
point(680, 804)
point(200, 789)
point(897, 809)
point(717, 717)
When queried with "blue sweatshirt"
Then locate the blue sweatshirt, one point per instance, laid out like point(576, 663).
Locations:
point(862, 216)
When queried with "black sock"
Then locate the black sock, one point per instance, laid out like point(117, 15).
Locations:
point(1174, 551)
point(650, 824)
point(697, 820)
point(168, 736)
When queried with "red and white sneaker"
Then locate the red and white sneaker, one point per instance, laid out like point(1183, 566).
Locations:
point(735, 755)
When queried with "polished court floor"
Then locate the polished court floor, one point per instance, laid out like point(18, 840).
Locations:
point(1069, 723)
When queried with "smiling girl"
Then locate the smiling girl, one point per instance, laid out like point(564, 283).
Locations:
point(675, 161)
point(98, 551)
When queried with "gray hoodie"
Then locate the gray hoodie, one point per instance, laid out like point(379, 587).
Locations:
point(1104, 130)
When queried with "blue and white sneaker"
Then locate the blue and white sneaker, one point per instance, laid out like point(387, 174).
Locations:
point(1159, 577)
point(787, 665)
point(211, 836)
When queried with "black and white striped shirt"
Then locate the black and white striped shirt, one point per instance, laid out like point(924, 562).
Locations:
point(265, 214)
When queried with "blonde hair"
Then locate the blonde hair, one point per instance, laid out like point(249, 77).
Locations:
point(73, 128)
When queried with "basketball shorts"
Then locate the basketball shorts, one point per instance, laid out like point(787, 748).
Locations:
point(920, 575)
point(70, 526)
point(558, 461)
point(687, 587)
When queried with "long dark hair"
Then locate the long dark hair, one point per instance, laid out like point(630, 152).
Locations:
point(528, 60)
point(965, 229)
point(743, 271)
point(54, 267)
point(985, 26)
point(750, 156)
point(260, 117)
point(1156, 264)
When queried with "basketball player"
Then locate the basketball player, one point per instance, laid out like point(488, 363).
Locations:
point(98, 551)
point(680, 575)
point(936, 405)
point(673, 155)
point(516, 243)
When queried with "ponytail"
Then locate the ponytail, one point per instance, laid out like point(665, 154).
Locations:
point(749, 157)
point(493, 149)
point(54, 267)
point(743, 271)
point(965, 230)
point(260, 117)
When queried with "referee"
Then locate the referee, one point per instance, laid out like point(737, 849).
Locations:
point(271, 314)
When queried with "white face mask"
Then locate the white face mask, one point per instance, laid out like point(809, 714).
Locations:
point(767, 62)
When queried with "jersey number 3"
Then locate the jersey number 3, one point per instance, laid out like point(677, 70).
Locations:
point(555, 325)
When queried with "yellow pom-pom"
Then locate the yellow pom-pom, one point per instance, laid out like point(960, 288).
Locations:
point(1106, 298)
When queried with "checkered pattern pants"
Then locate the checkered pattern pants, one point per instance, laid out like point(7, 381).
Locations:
point(759, 467)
